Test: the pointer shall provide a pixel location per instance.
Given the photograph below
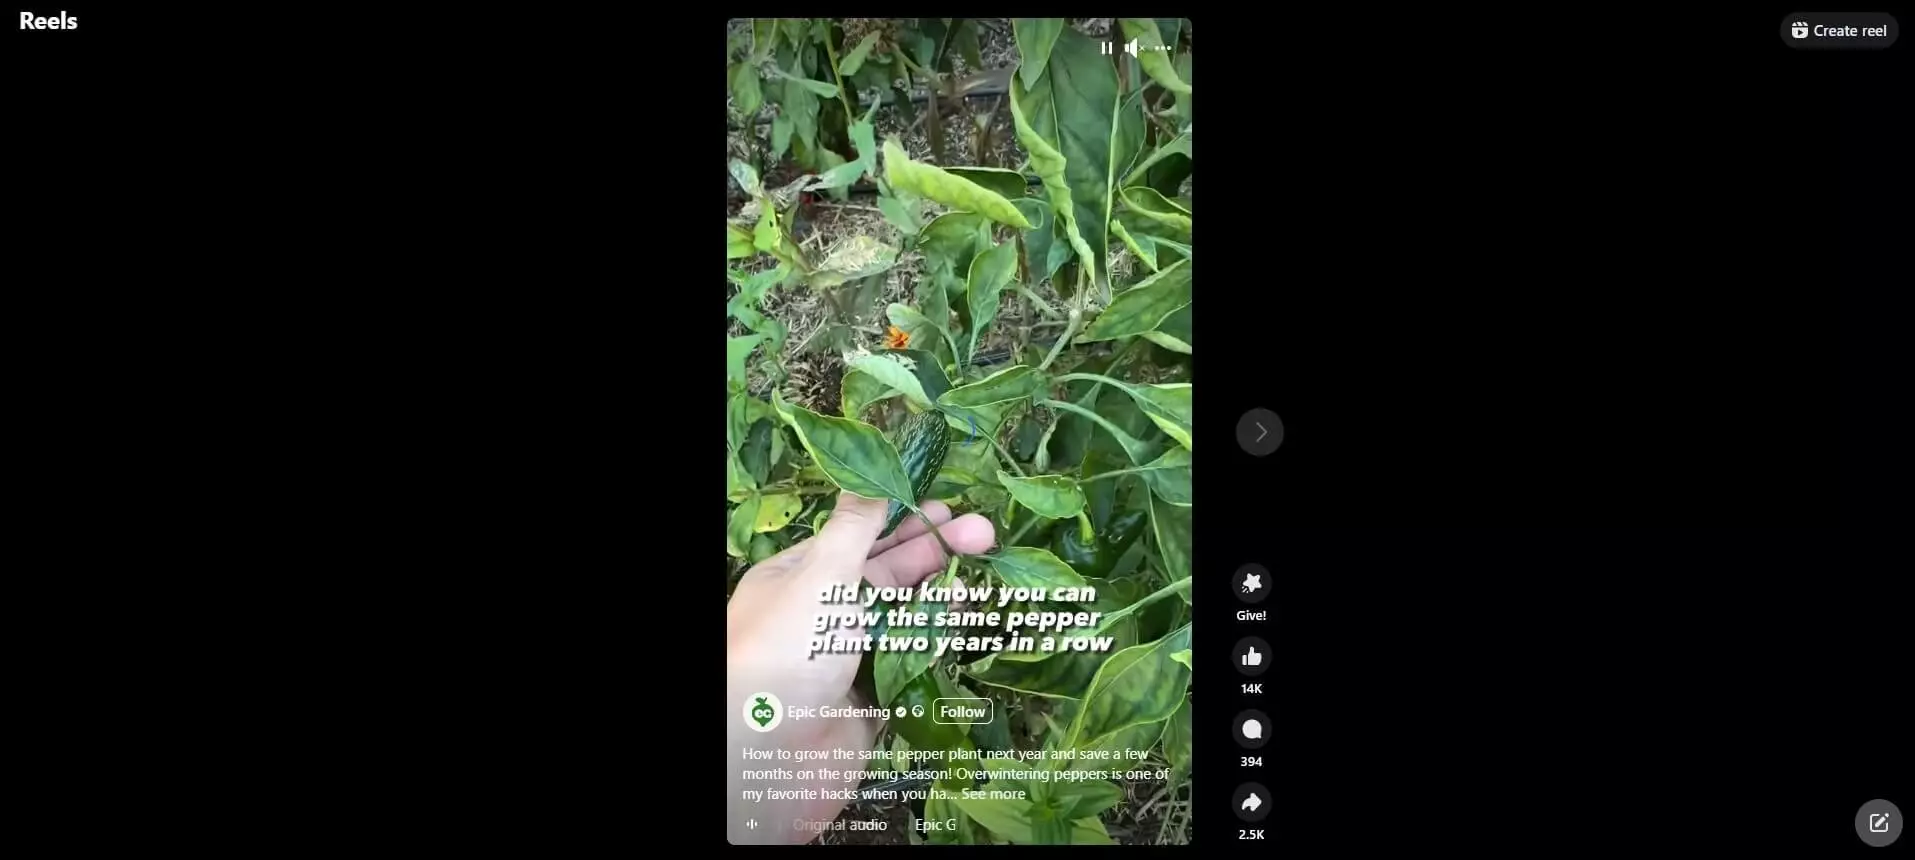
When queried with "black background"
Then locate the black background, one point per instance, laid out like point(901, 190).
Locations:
point(1582, 328)
point(1587, 328)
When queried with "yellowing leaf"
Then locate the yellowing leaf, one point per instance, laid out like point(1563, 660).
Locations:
point(930, 181)
point(776, 512)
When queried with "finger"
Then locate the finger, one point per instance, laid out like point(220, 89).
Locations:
point(908, 563)
point(849, 533)
point(912, 526)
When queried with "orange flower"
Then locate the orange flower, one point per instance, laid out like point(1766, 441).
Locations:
point(896, 338)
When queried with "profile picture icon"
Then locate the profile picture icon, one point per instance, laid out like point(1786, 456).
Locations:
point(763, 712)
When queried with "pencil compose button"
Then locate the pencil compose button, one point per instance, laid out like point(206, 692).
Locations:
point(1879, 823)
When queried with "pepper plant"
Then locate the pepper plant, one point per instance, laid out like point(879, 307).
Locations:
point(819, 75)
point(1075, 438)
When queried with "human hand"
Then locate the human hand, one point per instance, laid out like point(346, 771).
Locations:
point(768, 632)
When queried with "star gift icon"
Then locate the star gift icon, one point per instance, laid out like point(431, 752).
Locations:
point(1252, 582)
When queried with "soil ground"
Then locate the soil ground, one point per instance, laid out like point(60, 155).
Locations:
point(828, 221)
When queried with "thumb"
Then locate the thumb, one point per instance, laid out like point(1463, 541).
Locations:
point(848, 535)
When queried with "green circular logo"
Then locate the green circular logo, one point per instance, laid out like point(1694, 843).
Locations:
point(763, 712)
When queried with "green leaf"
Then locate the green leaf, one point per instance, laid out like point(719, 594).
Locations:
point(854, 60)
point(1054, 496)
point(738, 483)
point(1139, 451)
point(755, 454)
point(853, 454)
point(1174, 332)
point(781, 128)
point(738, 532)
point(863, 138)
point(837, 177)
point(1170, 28)
point(777, 511)
point(990, 271)
point(1085, 799)
point(1169, 476)
point(950, 242)
point(1183, 657)
point(898, 215)
point(1177, 152)
point(893, 670)
point(986, 399)
point(889, 370)
point(746, 95)
point(921, 43)
point(738, 242)
point(778, 445)
point(1151, 54)
point(1081, 133)
point(968, 467)
point(1111, 622)
point(935, 303)
point(1048, 824)
point(1141, 244)
point(1146, 201)
point(936, 184)
point(1033, 567)
point(1055, 674)
point(1161, 245)
point(1011, 820)
point(1177, 744)
point(1142, 736)
point(1143, 307)
point(1170, 526)
point(985, 498)
point(856, 391)
point(1090, 831)
point(965, 38)
point(741, 412)
point(1168, 405)
point(1042, 252)
point(764, 38)
point(1003, 816)
point(1137, 685)
point(938, 808)
point(1008, 183)
point(737, 350)
point(802, 106)
point(1035, 36)
point(795, 30)
point(927, 368)
point(1182, 65)
point(816, 88)
point(765, 236)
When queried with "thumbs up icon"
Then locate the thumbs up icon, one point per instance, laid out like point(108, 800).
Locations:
point(1252, 656)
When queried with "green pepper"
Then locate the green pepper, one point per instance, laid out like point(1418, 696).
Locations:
point(923, 731)
point(1095, 559)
